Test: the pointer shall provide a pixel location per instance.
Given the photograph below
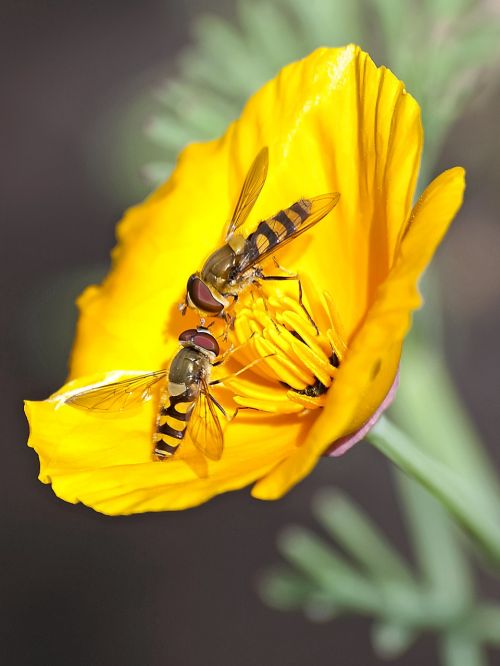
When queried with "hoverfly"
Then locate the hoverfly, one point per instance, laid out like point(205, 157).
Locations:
point(235, 265)
point(186, 403)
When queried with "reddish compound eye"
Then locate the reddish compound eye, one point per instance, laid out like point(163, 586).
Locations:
point(201, 296)
point(188, 335)
point(201, 338)
point(207, 341)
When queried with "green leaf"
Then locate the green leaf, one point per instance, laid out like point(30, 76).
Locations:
point(169, 132)
point(446, 9)
point(460, 650)
point(484, 624)
point(390, 640)
point(392, 17)
point(178, 96)
point(442, 564)
point(352, 591)
point(200, 71)
point(326, 23)
point(235, 68)
point(157, 172)
point(269, 31)
point(284, 589)
point(321, 565)
point(461, 494)
point(360, 537)
point(319, 607)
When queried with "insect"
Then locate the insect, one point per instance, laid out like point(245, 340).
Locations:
point(186, 403)
point(235, 265)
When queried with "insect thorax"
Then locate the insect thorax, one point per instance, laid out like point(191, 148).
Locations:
point(188, 368)
point(219, 266)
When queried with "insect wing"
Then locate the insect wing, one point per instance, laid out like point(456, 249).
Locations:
point(250, 191)
point(204, 427)
point(117, 396)
point(312, 211)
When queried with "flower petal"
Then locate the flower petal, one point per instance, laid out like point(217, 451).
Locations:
point(346, 443)
point(105, 460)
point(376, 346)
point(132, 319)
point(333, 122)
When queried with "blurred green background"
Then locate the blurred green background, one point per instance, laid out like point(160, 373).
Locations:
point(98, 97)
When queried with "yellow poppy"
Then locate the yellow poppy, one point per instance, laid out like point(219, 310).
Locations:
point(332, 122)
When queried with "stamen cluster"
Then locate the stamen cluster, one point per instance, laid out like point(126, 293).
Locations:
point(300, 345)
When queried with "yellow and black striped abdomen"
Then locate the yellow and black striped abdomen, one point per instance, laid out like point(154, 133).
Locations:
point(275, 230)
point(288, 221)
point(172, 422)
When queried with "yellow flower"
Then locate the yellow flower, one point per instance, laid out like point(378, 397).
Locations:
point(332, 122)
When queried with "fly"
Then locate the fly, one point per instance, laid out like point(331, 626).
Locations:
point(235, 265)
point(186, 405)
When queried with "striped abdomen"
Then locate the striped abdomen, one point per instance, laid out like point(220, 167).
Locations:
point(273, 231)
point(172, 421)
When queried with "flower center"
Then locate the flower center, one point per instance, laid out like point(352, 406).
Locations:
point(298, 343)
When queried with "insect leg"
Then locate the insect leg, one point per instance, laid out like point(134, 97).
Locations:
point(239, 372)
point(231, 350)
point(282, 269)
point(301, 303)
point(228, 319)
point(279, 277)
point(288, 274)
point(239, 409)
point(217, 404)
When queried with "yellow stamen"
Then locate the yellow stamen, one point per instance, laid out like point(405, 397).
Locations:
point(300, 347)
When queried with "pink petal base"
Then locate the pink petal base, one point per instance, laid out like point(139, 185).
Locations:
point(343, 444)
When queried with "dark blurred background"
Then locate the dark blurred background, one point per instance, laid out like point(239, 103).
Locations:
point(178, 588)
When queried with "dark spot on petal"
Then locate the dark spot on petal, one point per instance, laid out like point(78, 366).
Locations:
point(376, 369)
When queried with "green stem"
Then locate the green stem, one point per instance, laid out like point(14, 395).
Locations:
point(461, 495)
point(430, 409)
point(432, 531)
point(484, 624)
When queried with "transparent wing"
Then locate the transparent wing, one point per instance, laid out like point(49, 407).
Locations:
point(204, 426)
point(314, 210)
point(117, 396)
point(252, 186)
